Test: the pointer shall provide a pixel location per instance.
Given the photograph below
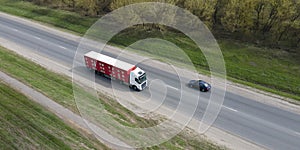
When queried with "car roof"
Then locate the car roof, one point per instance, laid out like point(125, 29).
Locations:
point(199, 81)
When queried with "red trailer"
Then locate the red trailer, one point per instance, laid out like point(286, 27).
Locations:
point(116, 69)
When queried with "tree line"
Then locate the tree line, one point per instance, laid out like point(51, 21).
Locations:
point(272, 23)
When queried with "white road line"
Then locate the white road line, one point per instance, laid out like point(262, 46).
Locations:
point(37, 37)
point(16, 30)
point(297, 133)
point(62, 47)
point(172, 87)
point(230, 108)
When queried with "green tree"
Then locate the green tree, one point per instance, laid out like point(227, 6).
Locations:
point(143, 14)
point(204, 9)
point(274, 18)
point(87, 7)
point(238, 16)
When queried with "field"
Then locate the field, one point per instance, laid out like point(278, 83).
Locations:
point(26, 125)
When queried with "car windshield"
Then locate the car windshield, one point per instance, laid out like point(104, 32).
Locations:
point(142, 78)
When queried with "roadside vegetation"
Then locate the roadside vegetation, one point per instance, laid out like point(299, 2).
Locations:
point(273, 23)
point(274, 68)
point(59, 88)
point(26, 125)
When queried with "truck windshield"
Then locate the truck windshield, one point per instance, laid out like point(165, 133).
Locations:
point(142, 78)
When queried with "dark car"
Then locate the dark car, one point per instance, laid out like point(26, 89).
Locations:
point(199, 84)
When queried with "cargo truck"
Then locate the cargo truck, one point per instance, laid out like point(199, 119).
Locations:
point(124, 72)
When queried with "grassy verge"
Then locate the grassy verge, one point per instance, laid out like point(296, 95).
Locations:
point(42, 80)
point(59, 18)
point(59, 88)
point(26, 125)
point(271, 70)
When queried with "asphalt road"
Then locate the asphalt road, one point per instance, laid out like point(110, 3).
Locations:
point(259, 123)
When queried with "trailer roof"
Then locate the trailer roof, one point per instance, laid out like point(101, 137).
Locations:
point(109, 60)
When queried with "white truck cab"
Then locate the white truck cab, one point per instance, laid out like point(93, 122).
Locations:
point(138, 79)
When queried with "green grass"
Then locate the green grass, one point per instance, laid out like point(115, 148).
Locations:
point(59, 18)
point(56, 86)
point(59, 88)
point(271, 70)
point(26, 125)
point(123, 115)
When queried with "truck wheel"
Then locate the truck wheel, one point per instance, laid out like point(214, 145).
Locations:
point(134, 88)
